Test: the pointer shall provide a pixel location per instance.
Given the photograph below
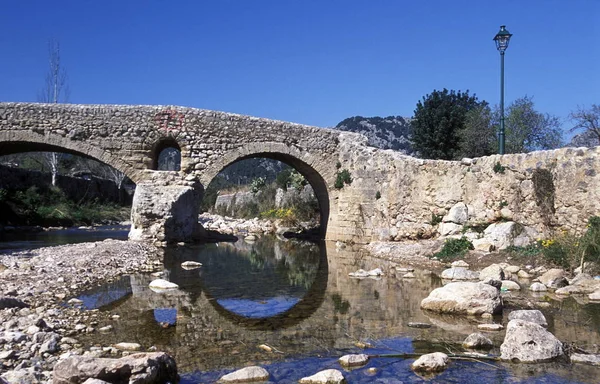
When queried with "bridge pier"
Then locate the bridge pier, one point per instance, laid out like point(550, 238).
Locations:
point(166, 213)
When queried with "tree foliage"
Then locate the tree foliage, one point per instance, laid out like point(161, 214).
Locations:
point(439, 119)
point(587, 120)
point(527, 129)
point(478, 137)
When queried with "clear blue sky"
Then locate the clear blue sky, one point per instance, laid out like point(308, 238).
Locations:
point(312, 62)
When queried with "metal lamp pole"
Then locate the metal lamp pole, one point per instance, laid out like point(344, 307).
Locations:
point(502, 38)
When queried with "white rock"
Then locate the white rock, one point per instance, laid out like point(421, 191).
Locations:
point(464, 298)
point(460, 264)
point(585, 359)
point(538, 287)
point(190, 265)
point(505, 234)
point(494, 271)
point(359, 273)
point(128, 346)
point(529, 342)
point(409, 275)
point(160, 285)
point(375, 272)
point(447, 229)
point(512, 269)
point(531, 315)
point(246, 375)
point(354, 360)
point(483, 245)
point(431, 362)
point(459, 274)
point(490, 327)
point(477, 340)
point(328, 376)
point(458, 214)
point(510, 285)
point(523, 275)
point(554, 278)
point(595, 296)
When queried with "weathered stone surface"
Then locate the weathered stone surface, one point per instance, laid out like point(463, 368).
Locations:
point(246, 375)
point(477, 341)
point(483, 245)
point(585, 359)
point(531, 315)
point(595, 296)
point(140, 368)
point(431, 362)
point(354, 360)
point(458, 214)
point(464, 298)
point(328, 376)
point(505, 234)
point(554, 278)
point(447, 229)
point(23, 376)
point(459, 274)
point(493, 271)
point(529, 342)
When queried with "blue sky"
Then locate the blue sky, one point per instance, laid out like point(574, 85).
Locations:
point(311, 62)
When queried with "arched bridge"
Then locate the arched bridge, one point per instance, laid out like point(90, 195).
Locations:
point(391, 197)
point(130, 138)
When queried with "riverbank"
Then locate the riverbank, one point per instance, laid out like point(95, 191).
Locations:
point(40, 322)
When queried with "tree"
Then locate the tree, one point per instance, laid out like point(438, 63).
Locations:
point(478, 137)
point(439, 119)
point(54, 91)
point(527, 129)
point(587, 120)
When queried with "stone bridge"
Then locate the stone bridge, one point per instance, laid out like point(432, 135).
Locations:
point(391, 197)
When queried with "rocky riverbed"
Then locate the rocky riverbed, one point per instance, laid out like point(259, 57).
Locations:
point(40, 320)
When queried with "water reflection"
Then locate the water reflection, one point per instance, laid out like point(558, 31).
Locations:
point(299, 299)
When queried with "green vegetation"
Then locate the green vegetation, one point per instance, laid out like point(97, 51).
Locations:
point(378, 195)
point(499, 168)
point(50, 207)
point(436, 219)
point(454, 248)
point(341, 178)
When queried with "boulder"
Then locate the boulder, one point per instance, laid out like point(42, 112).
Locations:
point(431, 362)
point(23, 376)
point(538, 287)
point(512, 269)
point(503, 235)
point(483, 245)
point(354, 360)
point(139, 368)
point(493, 271)
point(459, 274)
point(246, 375)
point(554, 278)
point(529, 342)
point(458, 214)
point(509, 285)
point(160, 285)
point(328, 376)
point(465, 298)
point(523, 275)
point(447, 229)
point(531, 315)
point(459, 264)
point(477, 341)
point(595, 296)
point(128, 346)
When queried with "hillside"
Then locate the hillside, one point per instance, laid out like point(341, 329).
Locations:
point(382, 132)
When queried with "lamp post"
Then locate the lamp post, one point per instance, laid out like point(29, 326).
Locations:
point(502, 38)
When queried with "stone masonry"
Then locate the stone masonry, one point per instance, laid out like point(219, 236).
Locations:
point(544, 190)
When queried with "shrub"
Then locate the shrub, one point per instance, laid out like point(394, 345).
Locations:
point(499, 168)
point(257, 184)
point(378, 195)
point(342, 177)
point(436, 219)
point(454, 248)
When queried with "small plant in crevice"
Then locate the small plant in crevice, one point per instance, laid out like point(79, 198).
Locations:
point(342, 177)
point(435, 219)
point(454, 248)
point(499, 168)
point(378, 195)
point(503, 204)
point(338, 165)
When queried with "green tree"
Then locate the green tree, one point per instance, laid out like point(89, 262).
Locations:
point(478, 137)
point(527, 129)
point(439, 119)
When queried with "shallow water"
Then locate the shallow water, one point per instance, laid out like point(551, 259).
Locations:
point(298, 299)
point(19, 241)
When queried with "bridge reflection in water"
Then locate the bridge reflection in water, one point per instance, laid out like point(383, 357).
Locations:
point(295, 297)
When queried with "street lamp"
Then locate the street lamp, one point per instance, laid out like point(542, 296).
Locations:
point(502, 38)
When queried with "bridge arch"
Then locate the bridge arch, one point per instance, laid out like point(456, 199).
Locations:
point(19, 142)
point(317, 172)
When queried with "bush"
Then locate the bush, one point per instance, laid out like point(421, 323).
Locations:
point(499, 168)
point(454, 248)
point(342, 177)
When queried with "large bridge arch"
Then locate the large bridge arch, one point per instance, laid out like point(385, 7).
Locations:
point(318, 171)
point(19, 142)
